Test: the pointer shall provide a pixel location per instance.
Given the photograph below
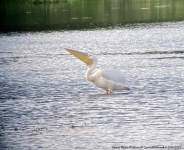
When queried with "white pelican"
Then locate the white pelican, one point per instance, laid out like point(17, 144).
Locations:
point(109, 80)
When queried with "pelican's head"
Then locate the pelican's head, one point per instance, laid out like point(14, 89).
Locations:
point(85, 57)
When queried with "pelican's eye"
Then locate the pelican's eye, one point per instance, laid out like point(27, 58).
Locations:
point(89, 55)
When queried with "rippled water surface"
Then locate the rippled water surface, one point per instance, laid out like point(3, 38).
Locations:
point(46, 102)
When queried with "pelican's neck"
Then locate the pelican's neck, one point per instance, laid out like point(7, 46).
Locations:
point(91, 70)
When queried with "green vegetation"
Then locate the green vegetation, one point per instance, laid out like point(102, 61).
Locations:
point(29, 15)
point(33, 1)
point(14, 1)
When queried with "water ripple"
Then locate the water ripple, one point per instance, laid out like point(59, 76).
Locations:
point(46, 100)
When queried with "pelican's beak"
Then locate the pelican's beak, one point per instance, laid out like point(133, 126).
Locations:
point(82, 56)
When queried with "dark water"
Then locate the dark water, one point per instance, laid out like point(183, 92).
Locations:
point(45, 100)
point(85, 14)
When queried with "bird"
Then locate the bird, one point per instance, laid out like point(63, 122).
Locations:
point(109, 80)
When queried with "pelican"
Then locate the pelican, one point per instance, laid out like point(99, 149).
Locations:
point(109, 80)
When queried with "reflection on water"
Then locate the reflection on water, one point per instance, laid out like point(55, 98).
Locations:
point(83, 14)
point(46, 102)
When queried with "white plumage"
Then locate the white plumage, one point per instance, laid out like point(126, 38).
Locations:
point(109, 80)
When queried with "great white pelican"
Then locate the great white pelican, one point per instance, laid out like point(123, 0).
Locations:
point(109, 80)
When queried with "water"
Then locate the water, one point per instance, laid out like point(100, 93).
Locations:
point(46, 102)
point(85, 14)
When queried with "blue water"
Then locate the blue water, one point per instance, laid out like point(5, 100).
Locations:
point(46, 102)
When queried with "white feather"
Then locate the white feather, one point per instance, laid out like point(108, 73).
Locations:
point(109, 80)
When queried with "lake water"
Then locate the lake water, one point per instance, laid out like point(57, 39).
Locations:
point(46, 102)
point(86, 14)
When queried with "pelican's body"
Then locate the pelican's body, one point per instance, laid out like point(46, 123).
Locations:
point(109, 80)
